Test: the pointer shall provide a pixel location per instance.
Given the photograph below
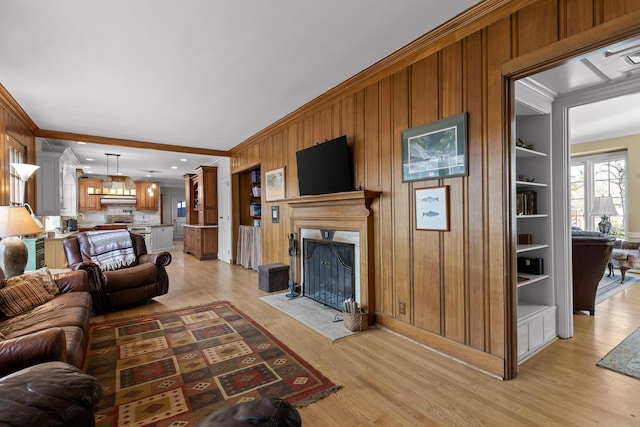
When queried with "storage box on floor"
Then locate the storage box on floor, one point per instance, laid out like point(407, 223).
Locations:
point(273, 277)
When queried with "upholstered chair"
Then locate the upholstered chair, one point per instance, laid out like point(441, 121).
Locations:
point(590, 253)
point(121, 272)
point(625, 256)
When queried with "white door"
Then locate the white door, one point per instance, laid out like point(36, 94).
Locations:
point(178, 215)
point(224, 210)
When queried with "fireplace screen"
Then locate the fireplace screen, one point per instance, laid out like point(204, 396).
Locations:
point(328, 272)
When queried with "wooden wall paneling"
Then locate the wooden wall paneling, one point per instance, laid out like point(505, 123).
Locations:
point(371, 138)
point(476, 253)
point(612, 9)
point(480, 294)
point(537, 25)
point(272, 155)
point(402, 214)
point(575, 16)
point(497, 201)
point(348, 120)
point(452, 93)
point(427, 280)
point(4, 166)
point(336, 123)
point(291, 167)
point(384, 251)
point(358, 144)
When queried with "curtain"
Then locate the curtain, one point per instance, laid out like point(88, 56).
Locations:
point(249, 247)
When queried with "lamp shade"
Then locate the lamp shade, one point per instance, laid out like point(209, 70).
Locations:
point(25, 170)
point(603, 206)
point(16, 221)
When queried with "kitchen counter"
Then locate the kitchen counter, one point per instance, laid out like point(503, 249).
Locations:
point(60, 236)
point(199, 226)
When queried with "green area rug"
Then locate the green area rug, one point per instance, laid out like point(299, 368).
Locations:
point(609, 286)
point(625, 357)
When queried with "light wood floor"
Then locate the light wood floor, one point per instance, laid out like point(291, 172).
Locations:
point(391, 381)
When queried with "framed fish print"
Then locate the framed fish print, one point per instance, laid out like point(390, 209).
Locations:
point(432, 208)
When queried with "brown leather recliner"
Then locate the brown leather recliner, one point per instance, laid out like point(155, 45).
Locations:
point(590, 254)
point(145, 278)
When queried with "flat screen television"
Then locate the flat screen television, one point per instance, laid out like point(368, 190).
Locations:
point(325, 168)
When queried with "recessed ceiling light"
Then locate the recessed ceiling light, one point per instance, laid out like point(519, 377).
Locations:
point(89, 159)
point(81, 143)
point(174, 167)
point(183, 160)
point(87, 167)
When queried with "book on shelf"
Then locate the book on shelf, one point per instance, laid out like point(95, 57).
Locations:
point(255, 209)
point(526, 203)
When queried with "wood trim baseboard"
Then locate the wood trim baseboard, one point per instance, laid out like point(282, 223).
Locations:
point(477, 359)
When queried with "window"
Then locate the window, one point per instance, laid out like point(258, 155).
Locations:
point(602, 175)
point(17, 154)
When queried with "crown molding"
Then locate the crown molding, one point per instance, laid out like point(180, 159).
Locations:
point(69, 136)
point(10, 103)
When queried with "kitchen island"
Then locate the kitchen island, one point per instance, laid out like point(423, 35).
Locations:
point(201, 241)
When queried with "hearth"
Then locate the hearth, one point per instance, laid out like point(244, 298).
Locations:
point(329, 274)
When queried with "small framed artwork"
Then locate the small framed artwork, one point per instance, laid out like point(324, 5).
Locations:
point(435, 150)
point(274, 189)
point(275, 214)
point(432, 208)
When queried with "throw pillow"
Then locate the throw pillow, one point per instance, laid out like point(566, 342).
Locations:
point(22, 297)
point(42, 276)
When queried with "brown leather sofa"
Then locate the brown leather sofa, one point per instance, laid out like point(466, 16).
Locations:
point(49, 394)
point(265, 412)
point(41, 351)
point(145, 278)
point(590, 253)
point(53, 331)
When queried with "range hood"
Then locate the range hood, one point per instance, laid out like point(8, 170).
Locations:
point(118, 200)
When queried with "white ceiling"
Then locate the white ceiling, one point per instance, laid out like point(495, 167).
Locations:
point(605, 119)
point(209, 74)
point(196, 73)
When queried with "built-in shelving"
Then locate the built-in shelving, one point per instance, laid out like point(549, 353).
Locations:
point(536, 311)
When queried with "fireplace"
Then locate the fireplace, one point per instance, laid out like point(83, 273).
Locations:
point(344, 218)
point(328, 271)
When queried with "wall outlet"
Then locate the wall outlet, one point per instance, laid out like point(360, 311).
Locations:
point(403, 307)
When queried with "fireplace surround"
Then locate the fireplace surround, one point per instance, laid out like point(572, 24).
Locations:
point(349, 213)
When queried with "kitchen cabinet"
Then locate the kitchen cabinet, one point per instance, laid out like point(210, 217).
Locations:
point(87, 199)
point(147, 195)
point(201, 228)
point(201, 190)
point(57, 183)
point(201, 241)
point(161, 238)
point(54, 256)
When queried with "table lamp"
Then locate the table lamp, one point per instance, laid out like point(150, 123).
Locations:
point(604, 206)
point(15, 221)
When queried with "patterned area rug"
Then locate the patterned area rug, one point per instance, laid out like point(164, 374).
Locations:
point(174, 368)
point(609, 286)
point(625, 357)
